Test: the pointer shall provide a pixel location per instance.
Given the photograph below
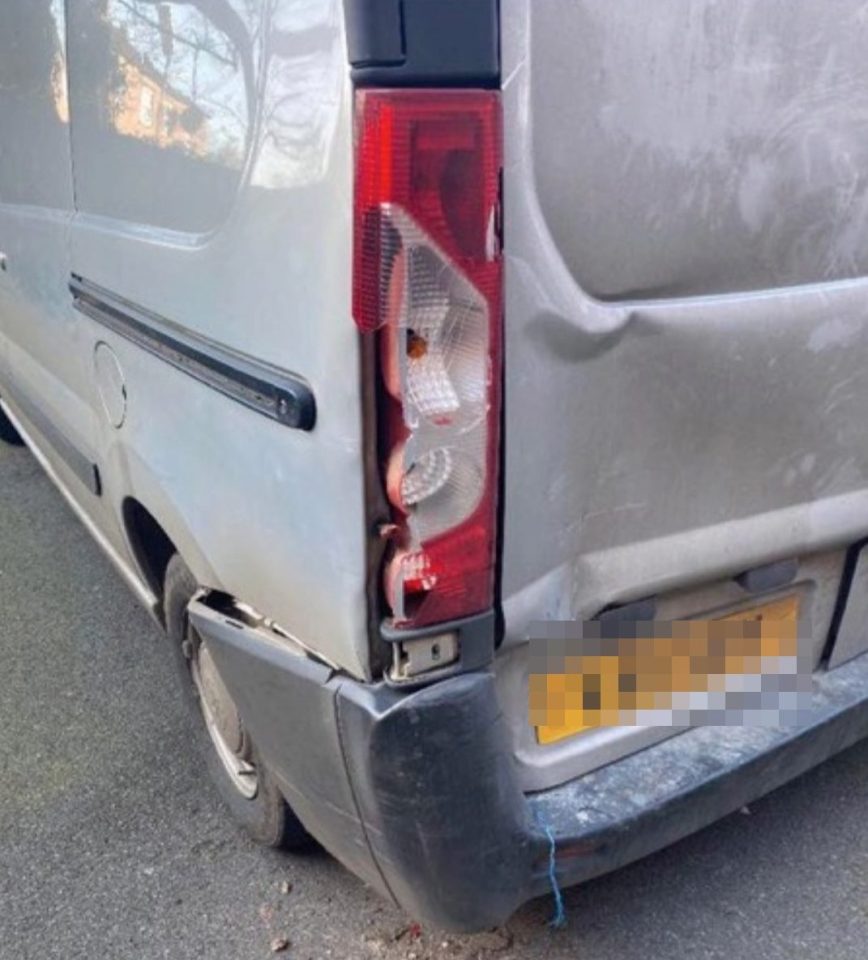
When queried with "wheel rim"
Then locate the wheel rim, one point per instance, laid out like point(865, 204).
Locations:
point(222, 721)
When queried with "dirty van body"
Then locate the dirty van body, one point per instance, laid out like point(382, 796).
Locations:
point(365, 336)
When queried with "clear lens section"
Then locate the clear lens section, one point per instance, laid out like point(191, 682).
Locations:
point(437, 366)
point(446, 324)
point(427, 476)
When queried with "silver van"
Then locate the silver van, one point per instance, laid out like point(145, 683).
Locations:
point(370, 337)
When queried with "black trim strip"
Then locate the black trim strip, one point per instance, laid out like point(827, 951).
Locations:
point(77, 459)
point(281, 396)
point(407, 43)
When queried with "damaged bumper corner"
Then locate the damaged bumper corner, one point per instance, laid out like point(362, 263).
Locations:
point(417, 793)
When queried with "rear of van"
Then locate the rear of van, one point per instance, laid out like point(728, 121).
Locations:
point(377, 334)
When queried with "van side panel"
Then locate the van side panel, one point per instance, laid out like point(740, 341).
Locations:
point(212, 158)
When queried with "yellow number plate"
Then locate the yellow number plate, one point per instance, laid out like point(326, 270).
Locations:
point(616, 682)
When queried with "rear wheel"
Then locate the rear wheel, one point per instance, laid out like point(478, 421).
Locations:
point(243, 780)
point(8, 433)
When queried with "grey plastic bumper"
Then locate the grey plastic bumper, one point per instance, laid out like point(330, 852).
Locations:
point(417, 794)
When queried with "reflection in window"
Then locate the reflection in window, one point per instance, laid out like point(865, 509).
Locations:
point(162, 99)
point(175, 80)
point(146, 105)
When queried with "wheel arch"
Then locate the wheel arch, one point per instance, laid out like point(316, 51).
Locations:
point(150, 544)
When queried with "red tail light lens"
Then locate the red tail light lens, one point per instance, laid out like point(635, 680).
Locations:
point(428, 283)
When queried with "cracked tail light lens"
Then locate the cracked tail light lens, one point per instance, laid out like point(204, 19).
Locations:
point(428, 284)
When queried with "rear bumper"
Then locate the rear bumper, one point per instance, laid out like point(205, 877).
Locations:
point(418, 795)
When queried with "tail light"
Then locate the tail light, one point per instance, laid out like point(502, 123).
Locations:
point(427, 284)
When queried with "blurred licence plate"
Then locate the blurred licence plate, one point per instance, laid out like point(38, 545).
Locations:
point(653, 671)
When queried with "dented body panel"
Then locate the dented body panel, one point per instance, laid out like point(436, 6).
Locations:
point(685, 301)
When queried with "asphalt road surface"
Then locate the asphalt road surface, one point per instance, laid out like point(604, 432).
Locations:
point(113, 846)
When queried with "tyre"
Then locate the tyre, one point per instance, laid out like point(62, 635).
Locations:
point(236, 768)
point(8, 433)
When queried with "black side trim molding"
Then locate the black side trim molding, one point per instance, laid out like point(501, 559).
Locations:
point(281, 396)
point(73, 455)
point(403, 43)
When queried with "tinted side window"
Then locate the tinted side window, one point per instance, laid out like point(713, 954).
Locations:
point(34, 114)
point(160, 108)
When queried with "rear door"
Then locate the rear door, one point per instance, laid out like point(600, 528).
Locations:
point(687, 309)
